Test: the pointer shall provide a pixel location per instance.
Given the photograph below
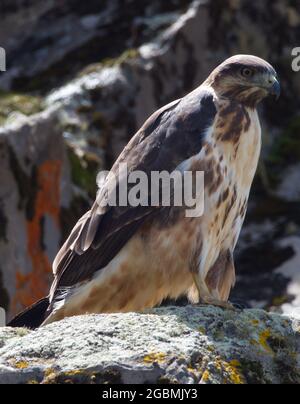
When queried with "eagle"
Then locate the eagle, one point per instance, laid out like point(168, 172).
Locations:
point(131, 258)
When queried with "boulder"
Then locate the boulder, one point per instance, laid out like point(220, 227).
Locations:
point(36, 196)
point(191, 344)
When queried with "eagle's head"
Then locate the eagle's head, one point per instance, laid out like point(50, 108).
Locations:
point(246, 79)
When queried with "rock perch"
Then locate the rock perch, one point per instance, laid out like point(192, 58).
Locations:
point(168, 345)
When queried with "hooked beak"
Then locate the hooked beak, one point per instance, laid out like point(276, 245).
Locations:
point(274, 88)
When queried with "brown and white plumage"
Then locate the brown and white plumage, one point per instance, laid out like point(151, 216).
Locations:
point(121, 259)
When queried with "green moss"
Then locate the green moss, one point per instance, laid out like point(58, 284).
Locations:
point(14, 102)
point(218, 334)
point(129, 54)
point(280, 300)
point(83, 172)
point(45, 80)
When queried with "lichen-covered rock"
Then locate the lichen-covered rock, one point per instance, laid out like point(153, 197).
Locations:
point(35, 191)
point(173, 345)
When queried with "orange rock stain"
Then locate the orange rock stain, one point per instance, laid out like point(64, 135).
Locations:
point(35, 285)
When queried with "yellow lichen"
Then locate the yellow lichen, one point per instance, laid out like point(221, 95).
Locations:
point(50, 376)
point(194, 371)
point(235, 363)
point(255, 323)
point(76, 373)
point(263, 340)
point(22, 365)
point(205, 377)
point(49, 372)
point(155, 358)
point(233, 368)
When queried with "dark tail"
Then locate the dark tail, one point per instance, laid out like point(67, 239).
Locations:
point(33, 317)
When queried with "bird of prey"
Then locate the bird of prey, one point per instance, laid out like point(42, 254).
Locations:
point(130, 258)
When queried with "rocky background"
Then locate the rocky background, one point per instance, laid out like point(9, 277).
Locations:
point(83, 76)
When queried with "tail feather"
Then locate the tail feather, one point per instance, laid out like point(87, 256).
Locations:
point(33, 317)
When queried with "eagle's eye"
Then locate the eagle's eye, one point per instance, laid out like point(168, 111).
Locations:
point(246, 72)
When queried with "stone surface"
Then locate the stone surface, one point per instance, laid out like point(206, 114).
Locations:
point(48, 42)
point(178, 345)
point(35, 190)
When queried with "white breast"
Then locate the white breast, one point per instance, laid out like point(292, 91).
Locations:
point(221, 225)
